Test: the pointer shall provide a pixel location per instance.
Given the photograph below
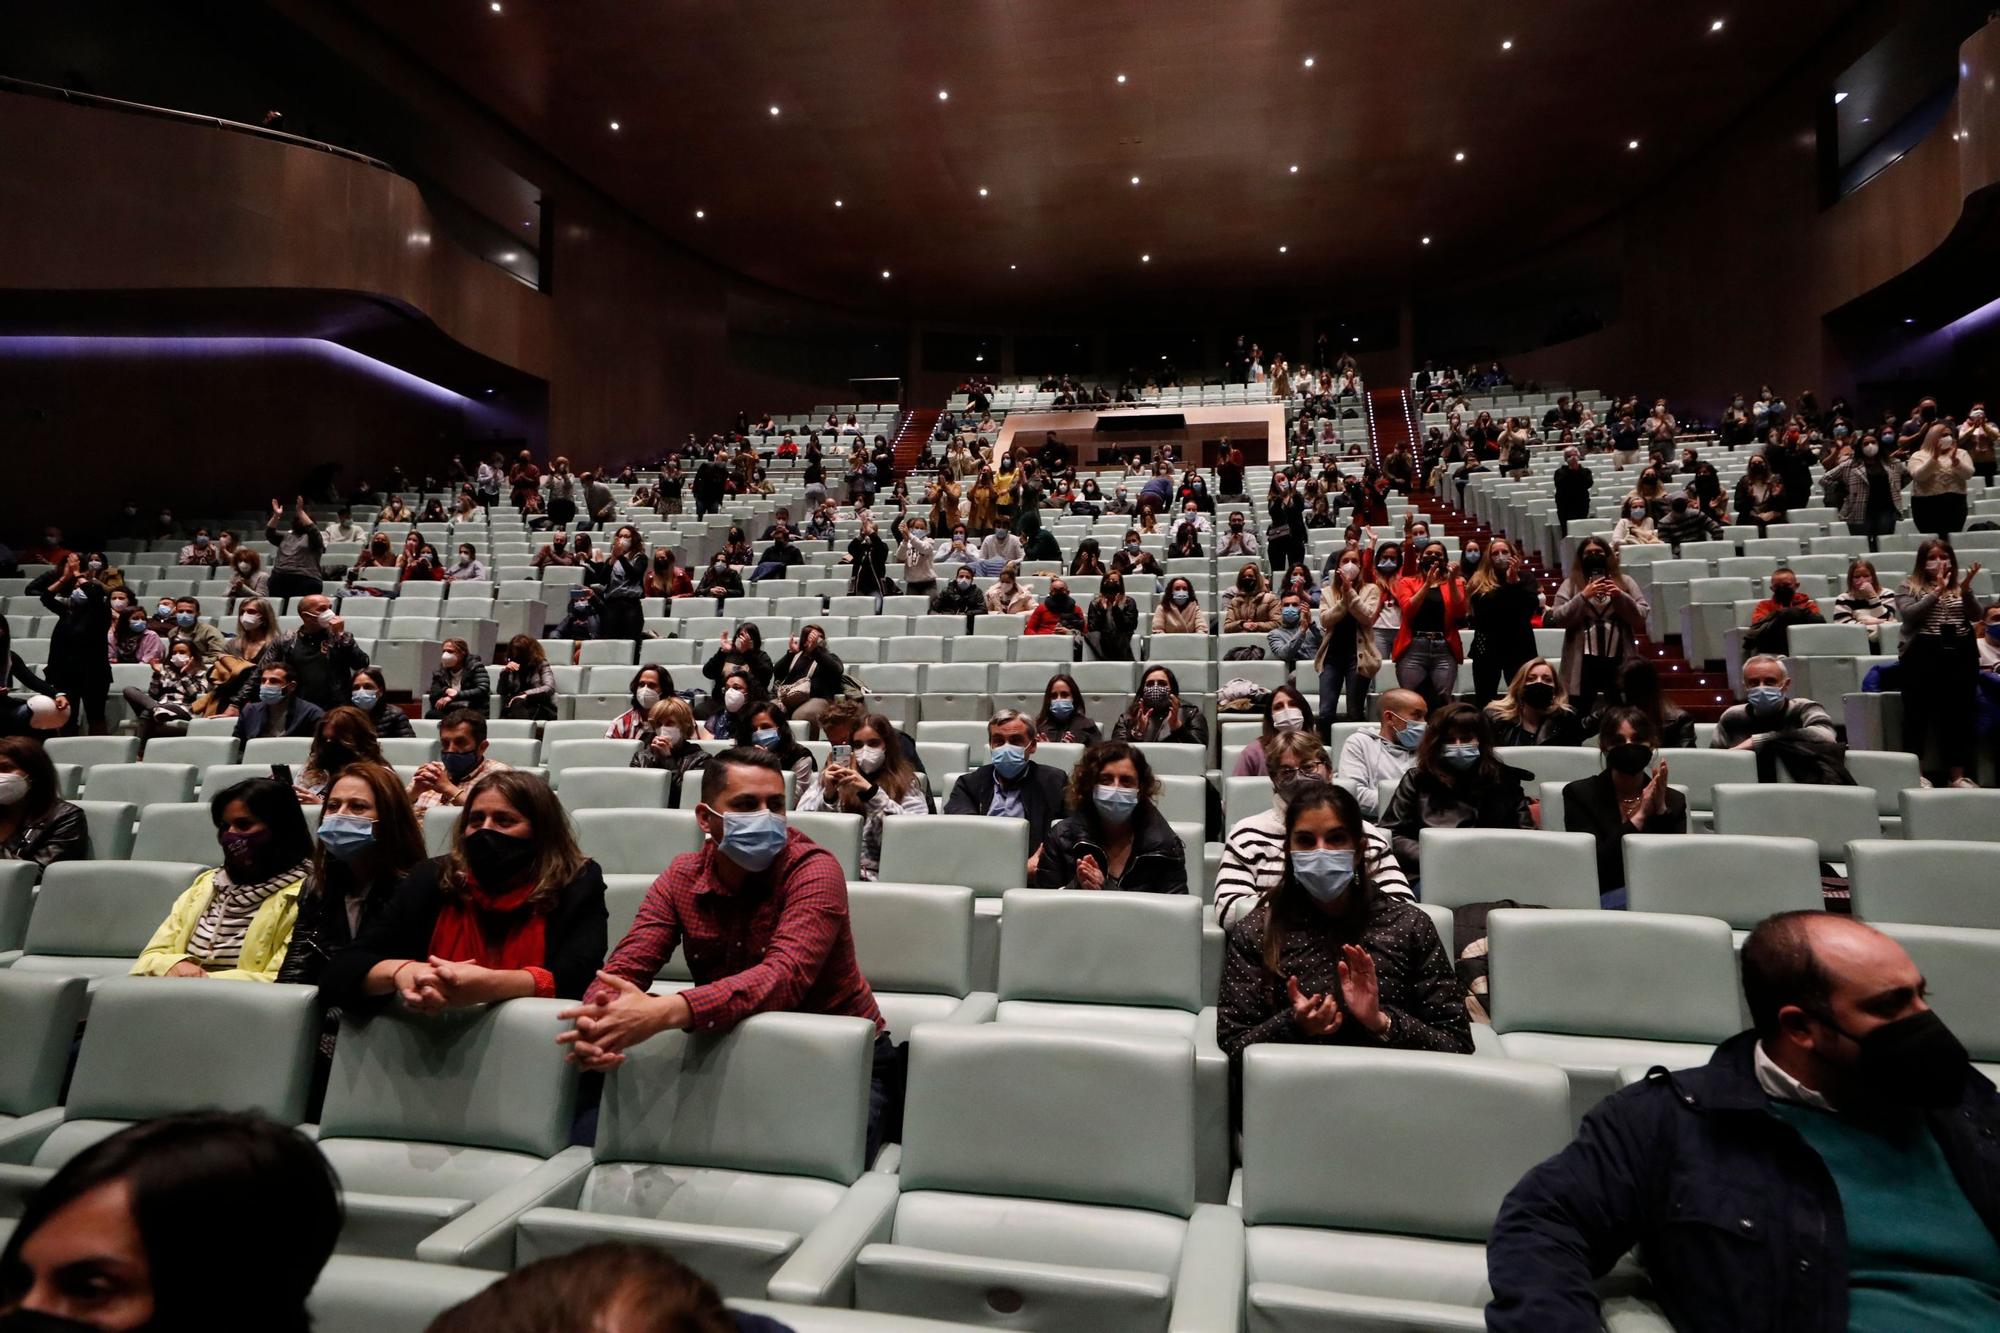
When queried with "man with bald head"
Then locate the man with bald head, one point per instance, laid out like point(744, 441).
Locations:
point(1369, 757)
point(1836, 1168)
point(322, 655)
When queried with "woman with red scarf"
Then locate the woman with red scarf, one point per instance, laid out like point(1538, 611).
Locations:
point(513, 910)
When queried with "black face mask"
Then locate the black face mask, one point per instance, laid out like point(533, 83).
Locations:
point(1629, 759)
point(1912, 1062)
point(497, 858)
point(1538, 694)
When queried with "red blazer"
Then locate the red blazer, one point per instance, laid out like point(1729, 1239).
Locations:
point(1452, 590)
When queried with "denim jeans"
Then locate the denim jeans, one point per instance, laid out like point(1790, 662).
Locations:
point(1428, 667)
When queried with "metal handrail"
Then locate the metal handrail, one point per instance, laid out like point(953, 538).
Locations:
point(168, 113)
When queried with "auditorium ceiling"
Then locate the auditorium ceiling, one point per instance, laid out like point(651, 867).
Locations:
point(982, 153)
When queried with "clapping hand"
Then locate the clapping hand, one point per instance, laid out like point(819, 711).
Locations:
point(1316, 1015)
point(1656, 792)
point(1360, 990)
point(1089, 875)
point(1971, 572)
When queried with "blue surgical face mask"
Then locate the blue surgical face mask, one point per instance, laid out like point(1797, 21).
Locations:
point(1115, 804)
point(1327, 874)
point(1062, 709)
point(1290, 615)
point(185, 619)
point(753, 839)
point(346, 836)
point(766, 737)
point(1461, 755)
point(1411, 734)
point(271, 694)
point(1766, 698)
point(365, 700)
point(1010, 760)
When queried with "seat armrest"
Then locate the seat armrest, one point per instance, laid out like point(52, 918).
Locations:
point(978, 1007)
point(1208, 1288)
point(1634, 1314)
point(1213, 1144)
point(821, 1270)
point(483, 1235)
point(24, 1138)
point(888, 1160)
point(1236, 1188)
point(8, 957)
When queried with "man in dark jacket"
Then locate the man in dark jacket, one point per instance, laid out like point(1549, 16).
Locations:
point(1013, 784)
point(1572, 489)
point(279, 711)
point(1834, 1169)
point(322, 655)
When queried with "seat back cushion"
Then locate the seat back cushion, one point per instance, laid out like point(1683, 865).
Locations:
point(1104, 948)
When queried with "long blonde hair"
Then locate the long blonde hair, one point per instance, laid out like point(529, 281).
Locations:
point(1508, 706)
point(1486, 578)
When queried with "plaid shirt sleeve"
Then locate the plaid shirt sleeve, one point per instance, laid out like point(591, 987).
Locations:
point(651, 941)
point(815, 906)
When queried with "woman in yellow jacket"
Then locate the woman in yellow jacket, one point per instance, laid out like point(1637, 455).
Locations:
point(235, 922)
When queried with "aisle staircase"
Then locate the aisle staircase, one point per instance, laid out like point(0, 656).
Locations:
point(1703, 695)
point(912, 429)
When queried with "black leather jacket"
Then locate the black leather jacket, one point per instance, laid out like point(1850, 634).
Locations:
point(60, 834)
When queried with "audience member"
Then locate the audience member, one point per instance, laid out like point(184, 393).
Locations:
point(369, 839)
point(1639, 687)
point(78, 666)
point(1820, 1171)
point(125, 1234)
point(1867, 490)
point(1456, 782)
point(527, 685)
point(1504, 602)
point(36, 824)
point(1011, 784)
point(1348, 658)
point(1533, 711)
point(1601, 613)
point(1250, 608)
point(729, 720)
point(278, 710)
point(1771, 619)
point(1939, 471)
point(1622, 798)
point(808, 677)
point(1008, 596)
point(873, 779)
point(321, 653)
point(164, 707)
point(744, 649)
point(295, 570)
point(1157, 713)
point(770, 728)
point(1286, 710)
point(343, 737)
point(611, 1287)
point(513, 909)
point(235, 922)
point(369, 692)
point(770, 908)
point(583, 620)
point(1063, 718)
point(462, 761)
point(1865, 603)
point(1370, 757)
point(1432, 602)
point(1773, 725)
point(1327, 957)
point(1938, 661)
point(1179, 612)
point(1113, 621)
point(1253, 854)
point(649, 684)
point(1115, 836)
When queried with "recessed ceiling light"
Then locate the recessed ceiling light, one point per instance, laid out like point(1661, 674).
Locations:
point(944, 95)
point(1507, 44)
point(1909, 321)
point(495, 6)
point(1013, 266)
point(1715, 26)
point(838, 204)
point(1121, 78)
point(1309, 62)
point(1632, 144)
point(774, 111)
point(1459, 156)
point(1354, 340)
point(1838, 98)
point(699, 214)
point(1135, 180)
point(1145, 259)
point(1427, 240)
point(1864, 120)
point(885, 272)
point(509, 257)
point(1295, 168)
point(982, 192)
point(1283, 248)
point(614, 127)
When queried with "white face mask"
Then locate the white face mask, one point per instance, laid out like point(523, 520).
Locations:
point(449, 661)
point(673, 735)
point(869, 758)
point(13, 789)
point(732, 700)
point(250, 620)
point(646, 695)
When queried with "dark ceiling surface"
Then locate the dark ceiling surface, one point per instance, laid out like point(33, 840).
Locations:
point(1217, 107)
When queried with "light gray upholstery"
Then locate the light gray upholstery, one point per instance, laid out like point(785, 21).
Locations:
point(156, 1046)
point(1339, 1209)
point(142, 784)
point(635, 842)
point(987, 855)
point(1949, 812)
point(17, 903)
point(622, 896)
point(111, 824)
point(361, 1294)
point(560, 756)
point(1050, 1175)
point(914, 944)
point(427, 1114)
point(1740, 879)
point(837, 832)
point(1463, 866)
point(1925, 883)
point(1590, 991)
point(708, 1145)
point(1831, 816)
point(177, 832)
point(38, 1017)
point(615, 788)
point(93, 917)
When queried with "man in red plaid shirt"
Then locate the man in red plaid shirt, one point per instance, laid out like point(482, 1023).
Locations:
point(761, 911)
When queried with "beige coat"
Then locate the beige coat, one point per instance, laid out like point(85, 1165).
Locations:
point(1363, 603)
